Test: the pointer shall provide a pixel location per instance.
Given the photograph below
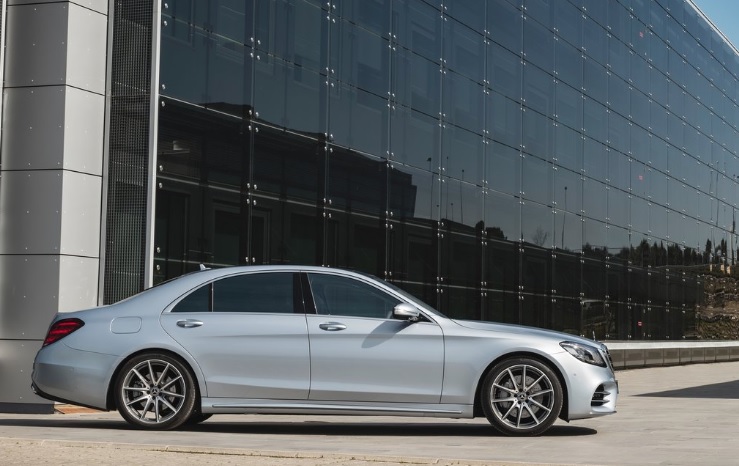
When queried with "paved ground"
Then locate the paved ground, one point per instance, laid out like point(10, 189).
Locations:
point(684, 415)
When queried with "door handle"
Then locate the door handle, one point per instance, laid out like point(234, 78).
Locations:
point(332, 326)
point(189, 323)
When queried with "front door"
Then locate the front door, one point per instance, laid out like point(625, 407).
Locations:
point(359, 352)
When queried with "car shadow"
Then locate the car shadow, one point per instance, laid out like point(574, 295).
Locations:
point(724, 390)
point(317, 428)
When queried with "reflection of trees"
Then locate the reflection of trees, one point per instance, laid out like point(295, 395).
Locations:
point(539, 237)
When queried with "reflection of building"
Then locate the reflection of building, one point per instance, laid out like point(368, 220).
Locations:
point(501, 166)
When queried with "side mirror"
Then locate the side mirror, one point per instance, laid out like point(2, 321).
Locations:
point(405, 311)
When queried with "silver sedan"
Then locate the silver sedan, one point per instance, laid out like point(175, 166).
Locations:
point(313, 340)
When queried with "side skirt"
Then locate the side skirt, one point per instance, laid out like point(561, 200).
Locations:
point(241, 406)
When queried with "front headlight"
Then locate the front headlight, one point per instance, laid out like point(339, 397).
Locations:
point(585, 353)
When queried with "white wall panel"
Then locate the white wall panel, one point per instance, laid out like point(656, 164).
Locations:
point(15, 371)
point(31, 58)
point(81, 200)
point(87, 49)
point(30, 212)
point(100, 6)
point(77, 283)
point(27, 306)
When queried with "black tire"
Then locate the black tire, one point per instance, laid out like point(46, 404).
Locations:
point(155, 391)
point(520, 409)
point(197, 418)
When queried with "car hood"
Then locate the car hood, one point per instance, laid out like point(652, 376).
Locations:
point(521, 330)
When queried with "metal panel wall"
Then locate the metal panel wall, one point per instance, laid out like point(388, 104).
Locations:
point(51, 171)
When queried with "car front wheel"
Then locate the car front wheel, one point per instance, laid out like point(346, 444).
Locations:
point(155, 391)
point(521, 396)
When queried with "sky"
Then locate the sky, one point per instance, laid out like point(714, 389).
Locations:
point(724, 14)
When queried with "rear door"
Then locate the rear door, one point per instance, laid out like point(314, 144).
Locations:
point(248, 333)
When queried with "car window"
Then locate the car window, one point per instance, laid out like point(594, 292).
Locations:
point(334, 295)
point(254, 292)
point(197, 301)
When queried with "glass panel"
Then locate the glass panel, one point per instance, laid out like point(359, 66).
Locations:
point(595, 200)
point(504, 71)
point(569, 22)
point(505, 120)
point(595, 123)
point(538, 90)
point(463, 102)
point(197, 301)
point(358, 119)
point(418, 28)
point(356, 182)
point(536, 271)
point(263, 293)
point(289, 166)
point(505, 25)
point(538, 44)
point(414, 138)
point(569, 106)
point(502, 217)
point(417, 82)
point(355, 242)
point(464, 49)
point(468, 12)
point(566, 272)
point(289, 96)
point(568, 148)
point(595, 239)
point(293, 30)
point(348, 297)
point(461, 266)
point(413, 195)
point(360, 58)
point(536, 180)
point(538, 134)
point(500, 307)
point(503, 168)
point(501, 265)
point(462, 206)
point(595, 40)
point(568, 64)
point(369, 14)
point(536, 225)
point(595, 160)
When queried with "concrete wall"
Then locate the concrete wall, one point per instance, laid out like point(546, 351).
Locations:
point(51, 169)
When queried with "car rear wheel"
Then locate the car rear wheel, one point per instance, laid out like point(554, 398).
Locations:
point(155, 391)
point(521, 396)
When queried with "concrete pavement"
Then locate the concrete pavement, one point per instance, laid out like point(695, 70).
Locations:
point(682, 415)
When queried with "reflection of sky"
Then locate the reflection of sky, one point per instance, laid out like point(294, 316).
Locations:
point(723, 14)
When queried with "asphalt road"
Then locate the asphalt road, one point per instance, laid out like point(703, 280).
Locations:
point(684, 415)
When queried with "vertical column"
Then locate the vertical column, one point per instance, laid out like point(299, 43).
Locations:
point(51, 169)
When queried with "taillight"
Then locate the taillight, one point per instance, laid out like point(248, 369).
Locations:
point(60, 329)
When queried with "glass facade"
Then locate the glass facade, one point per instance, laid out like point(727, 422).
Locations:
point(562, 164)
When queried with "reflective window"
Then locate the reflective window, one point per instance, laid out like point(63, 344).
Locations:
point(259, 292)
point(464, 49)
point(505, 25)
point(538, 43)
point(345, 296)
point(503, 168)
point(360, 58)
point(416, 82)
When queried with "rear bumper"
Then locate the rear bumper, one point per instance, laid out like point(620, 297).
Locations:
point(64, 374)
